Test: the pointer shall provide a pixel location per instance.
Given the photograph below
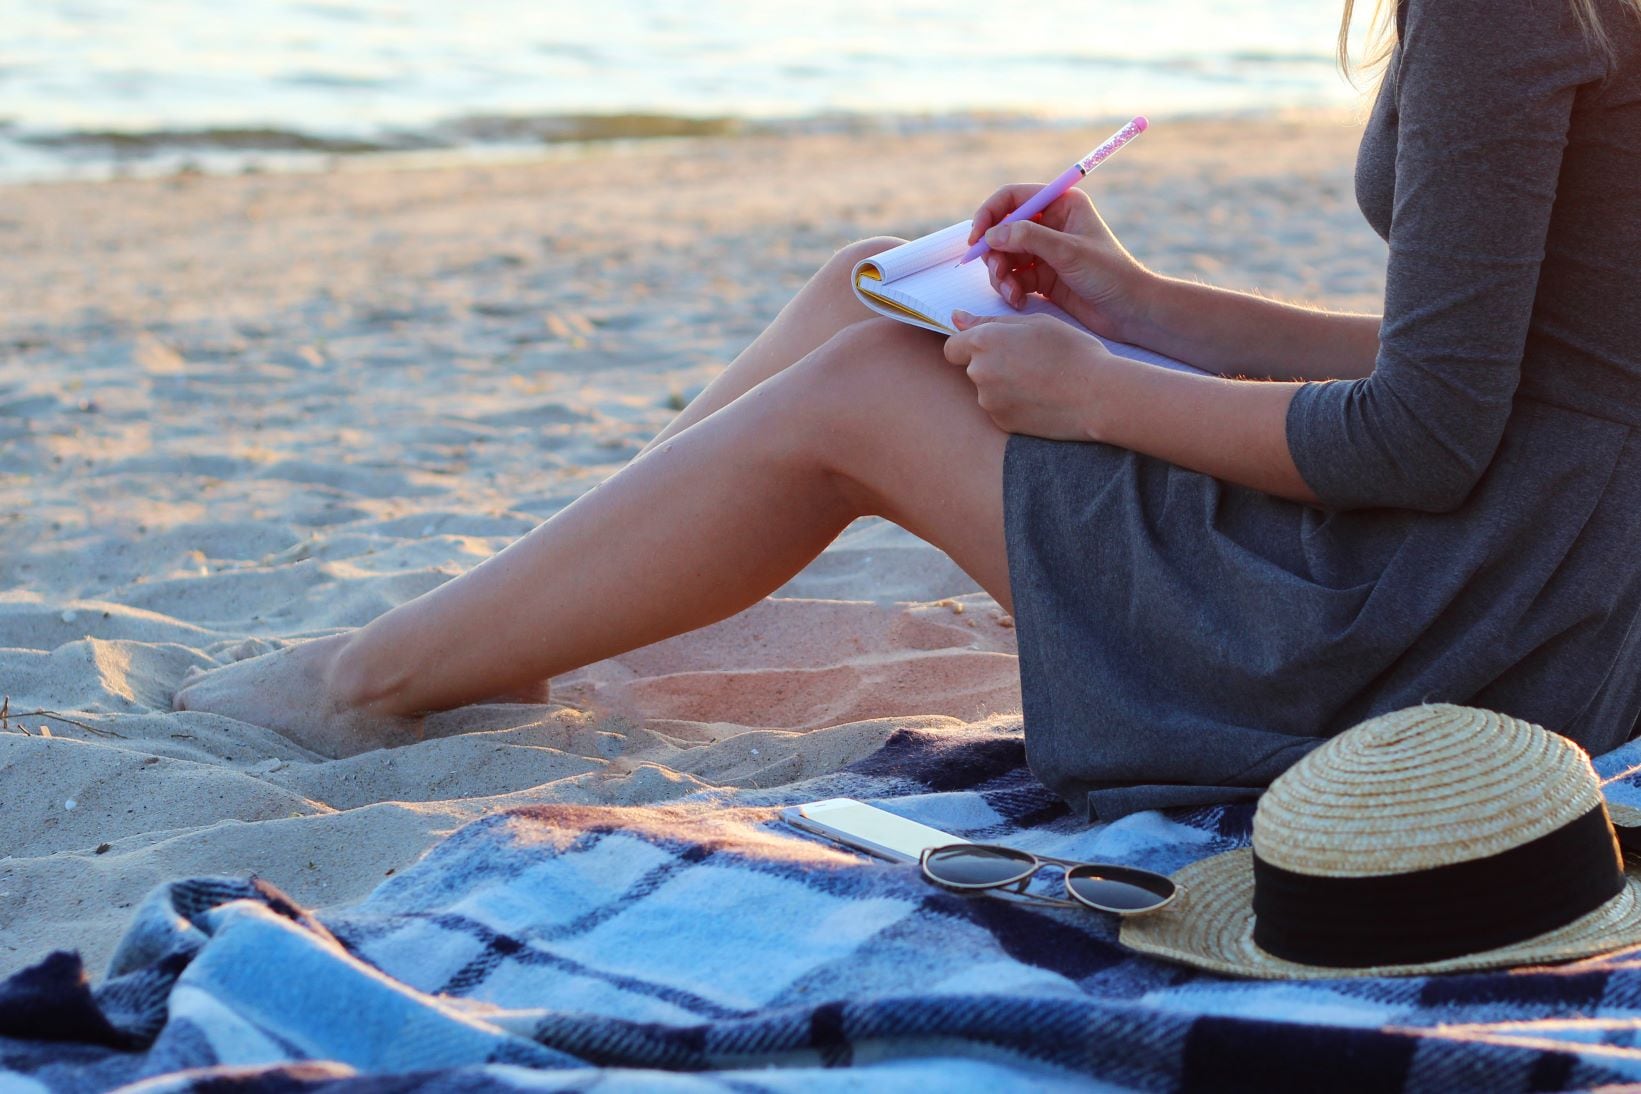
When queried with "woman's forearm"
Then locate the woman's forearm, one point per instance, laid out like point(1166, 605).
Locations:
point(1234, 430)
point(1237, 333)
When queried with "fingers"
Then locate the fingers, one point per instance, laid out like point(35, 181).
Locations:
point(1072, 211)
point(961, 347)
point(1026, 237)
point(1000, 205)
point(963, 320)
point(1014, 279)
point(1001, 273)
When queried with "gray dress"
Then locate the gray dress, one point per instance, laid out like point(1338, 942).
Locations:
point(1183, 640)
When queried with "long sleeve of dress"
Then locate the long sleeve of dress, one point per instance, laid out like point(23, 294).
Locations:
point(1485, 97)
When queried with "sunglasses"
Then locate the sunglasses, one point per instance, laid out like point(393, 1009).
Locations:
point(974, 867)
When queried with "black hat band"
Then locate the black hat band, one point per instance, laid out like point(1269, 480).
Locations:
point(1443, 911)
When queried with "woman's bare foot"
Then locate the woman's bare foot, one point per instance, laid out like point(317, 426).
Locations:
point(293, 692)
point(298, 692)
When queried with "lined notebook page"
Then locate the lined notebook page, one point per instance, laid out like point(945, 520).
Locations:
point(922, 284)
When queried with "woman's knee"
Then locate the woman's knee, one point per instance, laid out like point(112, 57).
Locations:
point(850, 254)
point(868, 358)
point(873, 402)
point(865, 377)
point(842, 264)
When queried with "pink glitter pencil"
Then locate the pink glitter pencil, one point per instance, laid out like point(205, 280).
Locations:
point(1073, 174)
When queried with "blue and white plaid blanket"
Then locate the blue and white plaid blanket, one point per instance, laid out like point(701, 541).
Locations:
point(700, 945)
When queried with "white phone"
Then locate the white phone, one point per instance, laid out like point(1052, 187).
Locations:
point(867, 828)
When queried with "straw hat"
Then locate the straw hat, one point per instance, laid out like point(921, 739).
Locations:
point(1434, 839)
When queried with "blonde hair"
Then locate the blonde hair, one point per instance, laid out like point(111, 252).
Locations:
point(1381, 34)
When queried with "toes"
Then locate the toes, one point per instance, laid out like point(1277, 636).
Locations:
point(251, 647)
point(179, 698)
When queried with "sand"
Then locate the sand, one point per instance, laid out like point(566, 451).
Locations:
point(240, 410)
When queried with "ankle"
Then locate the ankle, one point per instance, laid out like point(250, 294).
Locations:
point(354, 678)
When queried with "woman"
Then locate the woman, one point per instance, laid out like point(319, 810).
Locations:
point(1208, 575)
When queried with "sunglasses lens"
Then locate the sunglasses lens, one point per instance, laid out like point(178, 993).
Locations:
point(976, 865)
point(1119, 890)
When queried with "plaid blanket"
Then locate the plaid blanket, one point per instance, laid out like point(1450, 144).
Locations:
point(701, 945)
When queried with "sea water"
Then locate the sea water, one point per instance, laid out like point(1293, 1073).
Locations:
point(87, 85)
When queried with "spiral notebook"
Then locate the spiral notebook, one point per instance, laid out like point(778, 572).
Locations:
point(921, 283)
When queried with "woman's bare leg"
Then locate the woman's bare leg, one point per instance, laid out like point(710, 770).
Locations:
point(824, 306)
point(874, 421)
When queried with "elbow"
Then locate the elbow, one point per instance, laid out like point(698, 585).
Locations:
point(1439, 465)
point(1421, 478)
point(1440, 491)
point(1418, 490)
point(1372, 447)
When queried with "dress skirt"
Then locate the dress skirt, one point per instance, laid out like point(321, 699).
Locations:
point(1183, 640)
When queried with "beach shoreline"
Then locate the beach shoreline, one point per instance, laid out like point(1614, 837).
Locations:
point(241, 409)
point(103, 155)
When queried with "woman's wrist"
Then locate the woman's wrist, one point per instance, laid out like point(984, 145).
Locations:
point(1145, 297)
point(1095, 414)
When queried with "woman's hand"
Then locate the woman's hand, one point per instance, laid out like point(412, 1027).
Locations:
point(1066, 254)
point(1037, 375)
point(1033, 373)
